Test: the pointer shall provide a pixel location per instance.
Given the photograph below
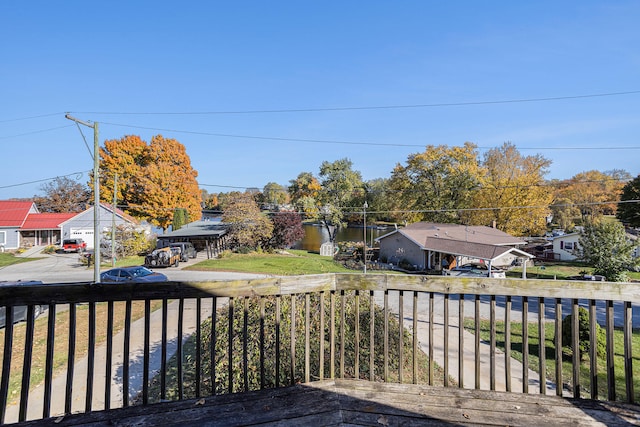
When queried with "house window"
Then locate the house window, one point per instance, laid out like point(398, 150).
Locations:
point(3, 237)
point(568, 246)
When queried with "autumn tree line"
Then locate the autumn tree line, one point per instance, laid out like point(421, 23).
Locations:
point(455, 184)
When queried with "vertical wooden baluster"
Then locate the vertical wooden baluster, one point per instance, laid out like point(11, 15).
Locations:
point(6, 362)
point(198, 347)
point(26, 364)
point(356, 344)
point(492, 343)
point(332, 334)
point(322, 336)
point(245, 344)
point(386, 335)
point(558, 344)
point(525, 345)
point(262, 343)
point(230, 346)
point(109, 357)
point(70, 359)
point(342, 332)
point(628, 353)
point(593, 350)
point(446, 340)
point(126, 355)
point(611, 377)
point(542, 353)
point(461, 341)
point(292, 370)
point(507, 343)
point(400, 336)
point(146, 355)
point(48, 370)
point(575, 344)
point(431, 320)
point(163, 351)
point(277, 326)
point(307, 338)
point(214, 340)
point(372, 337)
point(91, 351)
point(477, 341)
point(414, 360)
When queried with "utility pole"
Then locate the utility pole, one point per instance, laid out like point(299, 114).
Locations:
point(364, 248)
point(113, 221)
point(96, 195)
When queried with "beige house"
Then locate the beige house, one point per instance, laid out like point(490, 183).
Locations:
point(434, 246)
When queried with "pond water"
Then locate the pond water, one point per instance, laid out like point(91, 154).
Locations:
point(315, 235)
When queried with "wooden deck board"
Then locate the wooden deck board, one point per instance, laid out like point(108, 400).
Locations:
point(363, 403)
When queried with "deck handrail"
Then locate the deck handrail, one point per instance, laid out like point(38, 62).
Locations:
point(332, 291)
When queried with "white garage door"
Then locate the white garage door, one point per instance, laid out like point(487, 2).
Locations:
point(85, 234)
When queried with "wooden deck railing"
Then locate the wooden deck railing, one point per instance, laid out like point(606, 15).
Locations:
point(85, 354)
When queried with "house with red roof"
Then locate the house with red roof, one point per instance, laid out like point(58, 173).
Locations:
point(23, 226)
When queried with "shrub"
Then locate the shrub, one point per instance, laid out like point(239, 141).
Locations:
point(583, 334)
point(50, 249)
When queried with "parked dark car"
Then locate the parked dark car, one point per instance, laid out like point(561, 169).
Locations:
point(74, 245)
point(186, 250)
point(588, 277)
point(136, 274)
point(19, 312)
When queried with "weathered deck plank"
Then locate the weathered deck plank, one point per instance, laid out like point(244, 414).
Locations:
point(358, 403)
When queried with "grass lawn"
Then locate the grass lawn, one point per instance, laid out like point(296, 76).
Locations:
point(558, 270)
point(9, 259)
point(567, 367)
point(296, 262)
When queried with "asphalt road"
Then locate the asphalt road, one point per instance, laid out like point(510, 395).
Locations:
point(66, 268)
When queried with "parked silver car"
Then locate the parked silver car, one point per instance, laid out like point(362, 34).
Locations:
point(474, 270)
point(20, 312)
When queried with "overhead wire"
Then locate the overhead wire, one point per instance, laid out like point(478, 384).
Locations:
point(375, 107)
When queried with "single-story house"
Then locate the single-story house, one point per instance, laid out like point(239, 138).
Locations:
point(434, 246)
point(22, 225)
point(81, 224)
point(564, 245)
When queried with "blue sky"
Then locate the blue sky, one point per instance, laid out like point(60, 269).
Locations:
point(127, 65)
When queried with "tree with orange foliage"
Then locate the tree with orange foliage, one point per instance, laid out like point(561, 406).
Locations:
point(153, 179)
point(512, 194)
point(593, 192)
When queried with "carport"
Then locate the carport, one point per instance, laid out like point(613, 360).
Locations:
point(207, 235)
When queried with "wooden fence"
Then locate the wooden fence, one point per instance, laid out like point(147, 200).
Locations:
point(280, 331)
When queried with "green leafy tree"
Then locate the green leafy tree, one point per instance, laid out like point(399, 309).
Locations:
point(249, 229)
point(434, 184)
point(512, 193)
point(341, 187)
point(275, 194)
point(629, 209)
point(180, 218)
point(605, 246)
point(63, 195)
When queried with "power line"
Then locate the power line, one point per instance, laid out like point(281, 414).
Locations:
point(43, 180)
point(35, 131)
point(377, 107)
point(328, 141)
point(30, 117)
